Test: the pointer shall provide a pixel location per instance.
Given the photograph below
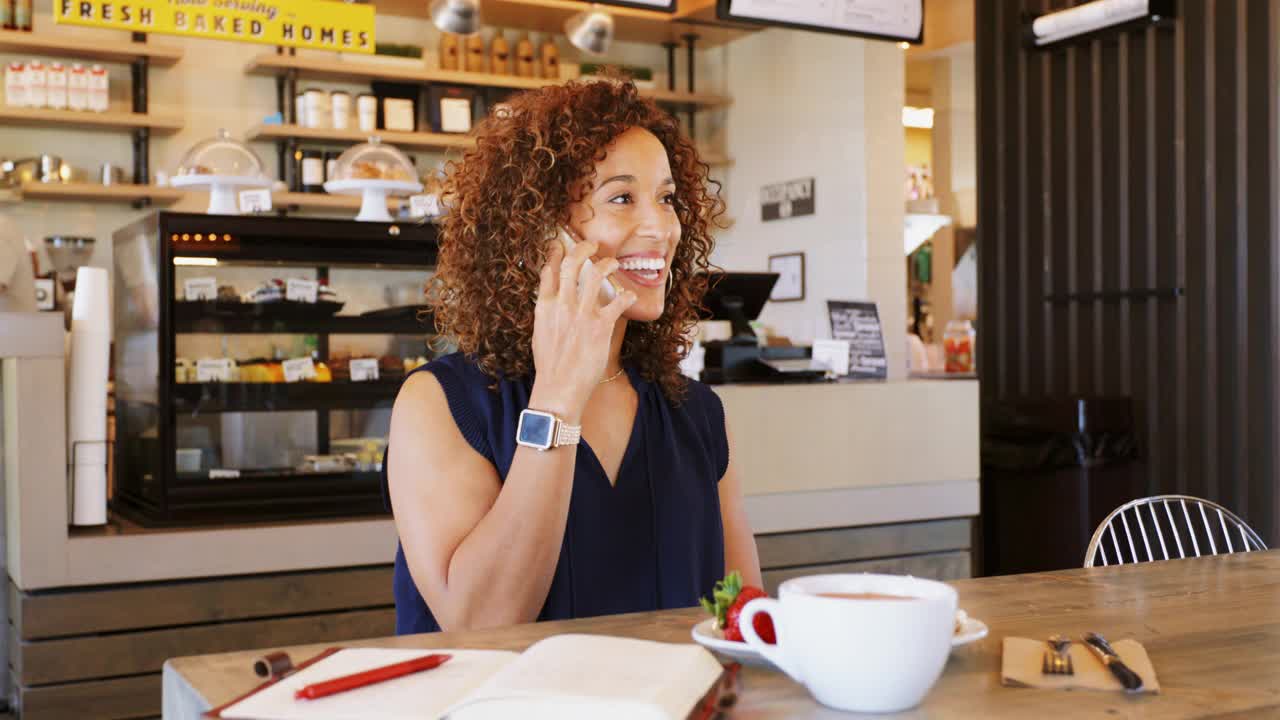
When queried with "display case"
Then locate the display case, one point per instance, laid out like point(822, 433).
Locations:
point(256, 360)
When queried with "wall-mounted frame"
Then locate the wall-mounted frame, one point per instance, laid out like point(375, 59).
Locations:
point(790, 284)
point(907, 26)
point(1086, 21)
point(667, 6)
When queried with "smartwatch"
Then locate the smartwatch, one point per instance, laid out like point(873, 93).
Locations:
point(543, 431)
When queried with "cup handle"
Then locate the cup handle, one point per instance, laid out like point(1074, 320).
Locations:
point(772, 653)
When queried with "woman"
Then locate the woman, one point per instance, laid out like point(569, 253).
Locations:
point(645, 512)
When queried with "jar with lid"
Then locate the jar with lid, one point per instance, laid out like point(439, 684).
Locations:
point(367, 112)
point(312, 171)
point(958, 346)
point(314, 107)
point(340, 104)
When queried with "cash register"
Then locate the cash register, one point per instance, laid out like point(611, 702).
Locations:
point(738, 297)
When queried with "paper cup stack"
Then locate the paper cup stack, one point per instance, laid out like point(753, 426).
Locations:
point(87, 397)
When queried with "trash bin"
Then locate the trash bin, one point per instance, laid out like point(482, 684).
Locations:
point(1051, 471)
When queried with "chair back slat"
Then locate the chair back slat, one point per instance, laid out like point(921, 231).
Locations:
point(1155, 521)
point(1191, 530)
point(1208, 531)
point(1205, 536)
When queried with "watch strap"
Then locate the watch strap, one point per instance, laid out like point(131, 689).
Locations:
point(566, 434)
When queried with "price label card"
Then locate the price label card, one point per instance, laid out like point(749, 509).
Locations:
point(200, 288)
point(299, 369)
point(424, 205)
point(299, 290)
point(255, 201)
point(214, 370)
point(834, 354)
point(364, 369)
point(217, 474)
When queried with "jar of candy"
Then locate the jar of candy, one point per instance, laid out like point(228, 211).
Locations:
point(958, 346)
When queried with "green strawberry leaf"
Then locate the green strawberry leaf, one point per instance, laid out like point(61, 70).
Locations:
point(722, 597)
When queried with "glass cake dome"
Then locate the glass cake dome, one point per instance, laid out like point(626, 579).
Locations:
point(221, 164)
point(373, 170)
point(374, 160)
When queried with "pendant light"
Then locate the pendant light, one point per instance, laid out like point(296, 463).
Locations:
point(461, 17)
point(591, 31)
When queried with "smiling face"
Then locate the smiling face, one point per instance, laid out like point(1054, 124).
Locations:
point(629, 211)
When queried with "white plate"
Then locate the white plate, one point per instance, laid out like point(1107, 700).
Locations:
point(706, 635)
point(357, 187)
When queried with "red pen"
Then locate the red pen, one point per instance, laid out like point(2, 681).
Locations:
point(370, 677)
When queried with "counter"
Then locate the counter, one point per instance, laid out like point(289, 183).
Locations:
point(811, 457)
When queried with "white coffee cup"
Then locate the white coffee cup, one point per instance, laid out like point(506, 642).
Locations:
point(864, 655)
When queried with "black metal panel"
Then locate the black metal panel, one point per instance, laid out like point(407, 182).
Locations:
point(1127, 217)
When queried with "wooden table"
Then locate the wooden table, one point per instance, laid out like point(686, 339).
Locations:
point(1210, 625)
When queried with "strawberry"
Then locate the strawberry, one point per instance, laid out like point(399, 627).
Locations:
point(728, 599)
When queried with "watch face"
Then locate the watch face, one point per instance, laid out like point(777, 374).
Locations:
point(535, 429)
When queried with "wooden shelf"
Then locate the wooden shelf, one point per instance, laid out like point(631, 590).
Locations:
point(356, 71)
point(402, 140)
point(93, 192)
point(323, 201)
point(39, 117)
point(88, 48)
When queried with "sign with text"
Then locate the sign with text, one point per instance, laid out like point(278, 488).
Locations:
point(214, 370)
point(200, 288)
point(255, 200)
point(364, 369)
point(298, 369)
point(299, 290)
point(318, 24)
point(786, 199)
point(859, 323)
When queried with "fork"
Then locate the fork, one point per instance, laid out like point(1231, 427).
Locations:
point(1057, 661)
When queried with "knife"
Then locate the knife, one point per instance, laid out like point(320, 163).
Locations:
point(1112, 661)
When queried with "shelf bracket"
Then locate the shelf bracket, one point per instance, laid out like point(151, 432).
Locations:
point(141, 136)
point(691, 39)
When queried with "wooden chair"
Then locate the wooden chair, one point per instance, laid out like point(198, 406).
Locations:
point(1157, 527)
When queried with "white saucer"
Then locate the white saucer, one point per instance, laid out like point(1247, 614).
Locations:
point(706, 635)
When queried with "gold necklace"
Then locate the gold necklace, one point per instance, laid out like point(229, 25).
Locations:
point(610, 379)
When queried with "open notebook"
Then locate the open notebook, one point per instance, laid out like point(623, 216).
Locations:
point(566, 677)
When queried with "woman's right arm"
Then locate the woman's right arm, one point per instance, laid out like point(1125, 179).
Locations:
point(483, 552)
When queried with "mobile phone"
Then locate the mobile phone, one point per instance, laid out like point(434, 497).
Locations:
point(609, 289)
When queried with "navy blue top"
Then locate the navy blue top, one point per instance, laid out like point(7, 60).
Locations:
point(652, 541)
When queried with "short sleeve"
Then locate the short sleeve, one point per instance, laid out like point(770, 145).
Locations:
point(717, 436)
point(460, 406)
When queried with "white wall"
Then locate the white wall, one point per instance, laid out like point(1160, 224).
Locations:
point(827, 107)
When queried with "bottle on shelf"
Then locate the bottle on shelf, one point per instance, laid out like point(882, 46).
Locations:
point(312, 171)
point(22, 15)
point(549, 55)
point(15, 83)
point(37, 87)
point(449, 47)
point(99, 89)
point(56, 86)
point(6, 15)
point(526, 65)
point(78, 87)
point(499, 54)
point(475, 53)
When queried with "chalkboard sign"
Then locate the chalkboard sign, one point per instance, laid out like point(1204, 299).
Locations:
point(859, 323)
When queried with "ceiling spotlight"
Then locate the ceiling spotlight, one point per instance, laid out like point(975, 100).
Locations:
point(461, 17)
point(591, 31)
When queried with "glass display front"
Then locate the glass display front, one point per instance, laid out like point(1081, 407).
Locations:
point(258, 360)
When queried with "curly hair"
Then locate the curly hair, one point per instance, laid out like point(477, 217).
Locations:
point(533, 158)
